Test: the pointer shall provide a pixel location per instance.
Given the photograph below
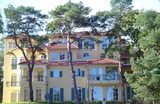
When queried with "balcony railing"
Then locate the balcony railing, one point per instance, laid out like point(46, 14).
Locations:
point(103, 77)
point(34, 78)
point(12, 83)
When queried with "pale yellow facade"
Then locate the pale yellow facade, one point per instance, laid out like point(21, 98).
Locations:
point(52, 74)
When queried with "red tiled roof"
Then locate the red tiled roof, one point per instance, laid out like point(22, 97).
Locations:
point(65, 63)
point(61, 46)
point(36, 62)
point(125, 54)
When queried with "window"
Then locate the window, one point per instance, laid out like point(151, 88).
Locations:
point(26, 94)
point(89, 44)
point(93, 73)
point(97, 93)
point(130, 92)
point(22, 59)
point(104, 42)
point(100, 74)
point(40, 75)
point(65, 40)
point(59, 40)
point(79, 73)
point(33, 57)
point(86, 56)
point(81, 94)
point(14, 79)
point(112, 93)
point(125, 60)
point(38, 94)
point(103, 55)
point(80, 44)
point(14, 63)
point(54, 56)
point(43, 57)
point(11, 45)
point(112, 75)
point(56, 73)
point(56, 94)
point(62, 55)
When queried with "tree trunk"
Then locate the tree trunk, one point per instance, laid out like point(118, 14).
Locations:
point(30, 86)
point(72, 69)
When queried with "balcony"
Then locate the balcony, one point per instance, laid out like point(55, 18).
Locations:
point(34, 78)
point(104, 79)
point(12, 84)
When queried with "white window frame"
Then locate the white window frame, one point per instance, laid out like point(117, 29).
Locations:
point(26, 98)
point(37, 95)
point(57, 98)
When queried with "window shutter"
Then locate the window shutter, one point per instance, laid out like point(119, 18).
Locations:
point(83, 94)
point(83, 73)
point(60, 73)
point(61, 94)
point(51, 94)
point(51, 73)
point(128, 92)
point(72, 95)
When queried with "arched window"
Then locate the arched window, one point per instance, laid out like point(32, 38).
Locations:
point(112, 93)
point(97, 93)
point(86, 44)
point(54, 56)
point(86, 56)
point(62, 55)
point(79, 73)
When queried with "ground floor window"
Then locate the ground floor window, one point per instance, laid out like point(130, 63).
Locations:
point(38, 94)
point(97, 93)
point(112, 93)
point(56, 94)
point(26, 94)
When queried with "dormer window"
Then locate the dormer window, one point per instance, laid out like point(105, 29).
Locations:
point(43, 57)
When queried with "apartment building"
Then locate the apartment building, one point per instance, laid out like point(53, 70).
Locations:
point(97, 77)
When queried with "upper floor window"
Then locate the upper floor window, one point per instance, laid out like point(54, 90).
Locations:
point(11, 45)
point(65, 40)
point(86, 55)
point(59, 40)
point(56, 73)
point(43, 57)
point(79, 73)
point(103, 55)
point(125, 60)
point(33, 57)
point(14, 63)
point(22, 59)
point(104, 42)
point(62, 55)
point(89, 44)
point(112, 75)
point(54, 56)
point(13, 79)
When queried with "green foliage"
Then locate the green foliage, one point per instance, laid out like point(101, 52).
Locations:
point(1, 23)
point(68, 16)
point(145, 77)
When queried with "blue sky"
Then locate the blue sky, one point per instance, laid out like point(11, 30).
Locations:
point(96, 5)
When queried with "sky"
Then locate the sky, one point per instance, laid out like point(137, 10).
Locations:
point(96, 5)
